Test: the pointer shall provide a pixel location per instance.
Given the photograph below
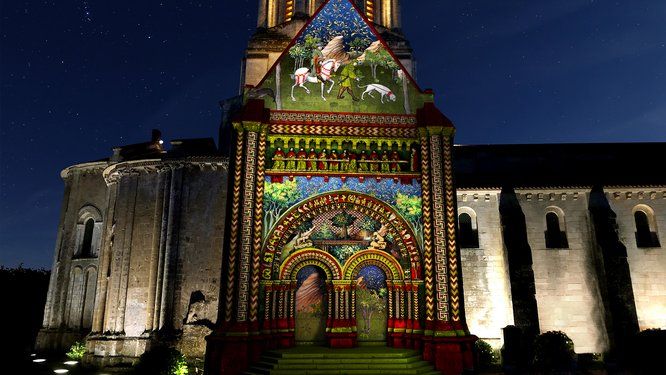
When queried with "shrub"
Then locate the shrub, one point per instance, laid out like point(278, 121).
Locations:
point(162, 361)
point(76, 351)
point(487, 356)
point(553, 350)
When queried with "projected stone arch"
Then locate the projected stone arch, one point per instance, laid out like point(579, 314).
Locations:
point(310, 257)
point(362, 222)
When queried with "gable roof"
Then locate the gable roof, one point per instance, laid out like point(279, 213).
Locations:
point(367, 23)
point(340, 32)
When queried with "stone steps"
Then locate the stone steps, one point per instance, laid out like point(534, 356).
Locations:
point(357, 361)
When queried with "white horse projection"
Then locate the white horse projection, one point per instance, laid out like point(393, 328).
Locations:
point(326, 70)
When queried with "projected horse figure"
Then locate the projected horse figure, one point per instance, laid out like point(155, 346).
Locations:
point(326, 70)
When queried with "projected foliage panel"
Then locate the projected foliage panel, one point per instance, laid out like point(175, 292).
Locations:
point(337, 64)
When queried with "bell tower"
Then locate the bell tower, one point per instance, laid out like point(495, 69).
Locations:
point(384, 13)
point(278, 22)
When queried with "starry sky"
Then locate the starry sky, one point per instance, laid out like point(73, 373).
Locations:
point(79, 77)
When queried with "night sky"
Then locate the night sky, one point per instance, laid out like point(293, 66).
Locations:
point(79, 77)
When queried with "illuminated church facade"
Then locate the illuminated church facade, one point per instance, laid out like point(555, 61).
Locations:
point(336, 211)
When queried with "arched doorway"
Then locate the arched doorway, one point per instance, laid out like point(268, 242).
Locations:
point(371, 304)
point(310, 306)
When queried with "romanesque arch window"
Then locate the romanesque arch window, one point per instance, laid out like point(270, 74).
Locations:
point(86, 246)
point(468, 231)
point(88, 233)
point(646, 227)
point(556, 234)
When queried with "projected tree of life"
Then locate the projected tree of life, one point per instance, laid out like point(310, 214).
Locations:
point(371, 300)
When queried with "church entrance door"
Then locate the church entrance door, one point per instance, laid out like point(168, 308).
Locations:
point(311, 308)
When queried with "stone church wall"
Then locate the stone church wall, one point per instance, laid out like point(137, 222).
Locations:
point(200, 258)
point(485, 269)
point(567, 289)
point(142, 216)
point(158, 238)
point(70, 299)
point(165, 262)
point(647, 265)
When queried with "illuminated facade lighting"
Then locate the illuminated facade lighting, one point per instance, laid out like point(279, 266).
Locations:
point(289, 10)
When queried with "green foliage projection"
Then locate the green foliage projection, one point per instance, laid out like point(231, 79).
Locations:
point(409, 206)
point(277, 199)
point(343, 220)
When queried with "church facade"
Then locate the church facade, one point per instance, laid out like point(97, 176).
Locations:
point(336, 211)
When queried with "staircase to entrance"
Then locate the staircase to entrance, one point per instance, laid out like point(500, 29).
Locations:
point(310, 360)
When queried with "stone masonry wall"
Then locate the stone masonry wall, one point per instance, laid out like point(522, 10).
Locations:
point(164, 260)
point(647, 265)
point(567, 288)
point(72, 285)
point(200, 258)
point(485, 270)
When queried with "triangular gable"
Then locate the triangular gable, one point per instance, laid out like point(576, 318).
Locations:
point(340, 48)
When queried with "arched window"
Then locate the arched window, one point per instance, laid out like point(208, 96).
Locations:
point(556, 235)
point(88, 233)
point(468, 233)
point(87, 238)
point(646, 227)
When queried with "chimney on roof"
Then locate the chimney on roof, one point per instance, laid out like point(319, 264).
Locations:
point(156, 136)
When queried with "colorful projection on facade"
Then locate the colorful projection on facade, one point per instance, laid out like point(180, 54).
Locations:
point(371, 304)
point(327, 156)
point(338, 64)
point(343, 228)
point(310, 305)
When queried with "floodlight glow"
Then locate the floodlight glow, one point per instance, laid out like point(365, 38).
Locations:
point(71, 363)
point(161, 142)
point(61, 371)
point(33, 355)
point(39, 360)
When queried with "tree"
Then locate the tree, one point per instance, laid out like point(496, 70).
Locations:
point(299, 53)
point(278, 197)
point(342, 253)
point(311, 42)
point(303, 50)
point(24, 293)
point(368, 225)
point(323, 233)
point(370, 302)
point(358, 45)
point(393, 66)
point(379, 58)
point(410, 208)
point(304, 226)
point(343, 220)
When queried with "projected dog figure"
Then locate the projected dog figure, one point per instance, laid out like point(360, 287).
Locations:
point(381, 89)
